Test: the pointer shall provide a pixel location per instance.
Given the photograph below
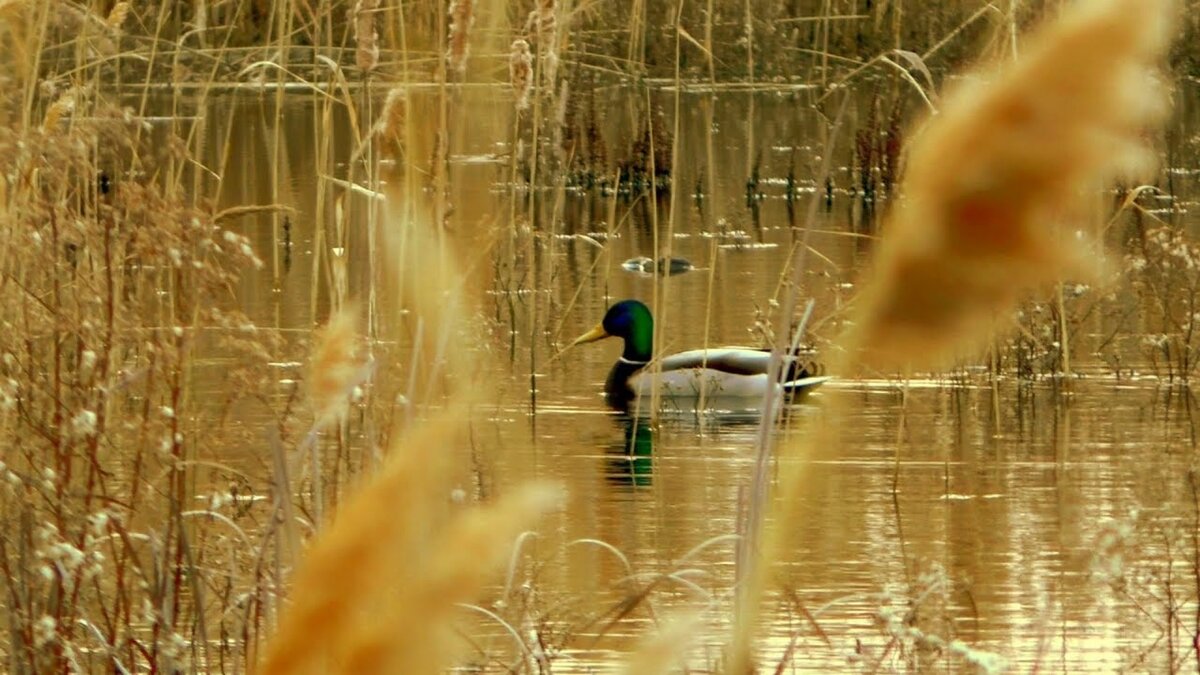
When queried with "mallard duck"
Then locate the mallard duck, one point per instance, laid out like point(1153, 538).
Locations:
point(726, 372)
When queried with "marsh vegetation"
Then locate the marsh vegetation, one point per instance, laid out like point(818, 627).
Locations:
point(286, 290)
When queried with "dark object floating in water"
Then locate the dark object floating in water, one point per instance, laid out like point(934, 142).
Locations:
point(667, 266)
point(722, 373)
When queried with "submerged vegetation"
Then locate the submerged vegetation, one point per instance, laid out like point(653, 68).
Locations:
point(191, 483)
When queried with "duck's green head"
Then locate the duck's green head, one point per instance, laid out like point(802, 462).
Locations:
point(631, 321)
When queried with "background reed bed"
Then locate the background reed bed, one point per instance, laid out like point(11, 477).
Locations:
point(109, 290)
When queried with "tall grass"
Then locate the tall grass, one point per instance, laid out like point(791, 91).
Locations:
point(109, 290)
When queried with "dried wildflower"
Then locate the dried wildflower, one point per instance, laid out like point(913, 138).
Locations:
point(98, 523)
point(520, 72)
point(87, 362)
point(462, 17)
point(63, 555)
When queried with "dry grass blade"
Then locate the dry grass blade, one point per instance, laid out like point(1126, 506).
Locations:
point(993, 180)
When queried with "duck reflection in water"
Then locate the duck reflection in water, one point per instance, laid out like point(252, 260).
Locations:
point(630, 461)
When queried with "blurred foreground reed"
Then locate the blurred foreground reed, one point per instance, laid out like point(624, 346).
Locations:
point(994, 208)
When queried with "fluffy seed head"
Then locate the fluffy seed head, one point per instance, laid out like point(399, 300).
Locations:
point(991, 203)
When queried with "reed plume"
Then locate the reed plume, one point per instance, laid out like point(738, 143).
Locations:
point(543, 25)
point(374, 591)
point(117, 16)
point(379, 588)
point(994, 182)
point(64, 105)
point(336, 367)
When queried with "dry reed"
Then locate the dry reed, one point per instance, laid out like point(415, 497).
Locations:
point(378, 591)
point(103, 431)
point(112, 386)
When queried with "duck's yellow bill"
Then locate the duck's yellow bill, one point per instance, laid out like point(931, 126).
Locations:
point(597, 333)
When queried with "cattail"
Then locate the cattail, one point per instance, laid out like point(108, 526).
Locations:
point(994, 176)
point(520, 72)
point(336, 367)
point(542, 20)
point(117, 16)
point(389, 128)
point(462, 17)
point(366, 38)
point(542, 24)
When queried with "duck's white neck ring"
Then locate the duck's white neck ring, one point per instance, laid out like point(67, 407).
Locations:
point(631, 362)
